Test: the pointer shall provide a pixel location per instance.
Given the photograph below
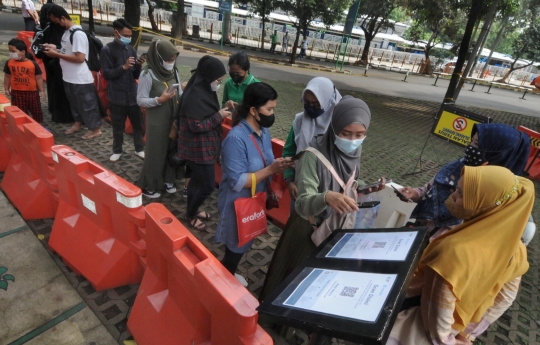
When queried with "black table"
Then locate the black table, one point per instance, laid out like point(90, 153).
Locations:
point(281, 304)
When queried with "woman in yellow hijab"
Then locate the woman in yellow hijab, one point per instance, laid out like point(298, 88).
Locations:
point(469, 276)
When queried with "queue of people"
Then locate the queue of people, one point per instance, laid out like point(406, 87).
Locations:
point(475, 207)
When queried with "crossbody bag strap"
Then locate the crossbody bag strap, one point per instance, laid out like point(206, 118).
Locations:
point(327, 164)
point(258, 148)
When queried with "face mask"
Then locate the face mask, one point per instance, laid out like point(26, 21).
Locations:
point(14, 56)
point(312, 111)
point(168, 65)
point(458, 211)
point(266, 121)
point(215, 87)
point(237, 79)
point(473, 156)
point(346, 145)
point(123, 40)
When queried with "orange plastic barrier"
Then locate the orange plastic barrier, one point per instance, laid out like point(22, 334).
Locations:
point(99, 226)
point(5, 150)
point(26, 180)
point(280, 215)
point(533, 164)
point(27, 37)
point(187, 296)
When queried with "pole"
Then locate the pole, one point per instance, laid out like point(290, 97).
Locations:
point(211, 30)
point(100, 13)
point(71, 6)
point(222, 28)
point(345, 53)
point(339, 51)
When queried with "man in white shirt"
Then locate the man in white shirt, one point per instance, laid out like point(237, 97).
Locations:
point(29, 15)
point(285, 44)
point(78, 79)
point(303, 48)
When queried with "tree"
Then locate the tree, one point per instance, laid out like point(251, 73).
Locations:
point(527, 47)
point(91, 17)
point(178, 27)
point(150, 15)
point(305, 11)
point(262, 8)
point(132, 13)
point(374, 16)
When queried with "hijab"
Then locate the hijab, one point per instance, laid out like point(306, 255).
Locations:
point(198, 99)
point(158, 52)
point(305, 128)
point(481, 255)
point(502, 145)
point(348, 111)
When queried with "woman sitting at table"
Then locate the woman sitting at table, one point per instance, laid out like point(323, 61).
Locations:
point(469, 276)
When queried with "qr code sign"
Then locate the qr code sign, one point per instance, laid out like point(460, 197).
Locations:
point(348, 291)
point(379, 245)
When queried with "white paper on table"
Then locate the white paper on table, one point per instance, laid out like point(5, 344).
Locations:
point(390, 246)
point(355, 295)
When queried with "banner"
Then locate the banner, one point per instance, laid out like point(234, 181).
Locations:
point(75, 18)
point(351, 18)
point(456, 125)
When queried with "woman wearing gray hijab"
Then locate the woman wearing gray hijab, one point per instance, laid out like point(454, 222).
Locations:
point(320, 195)
point(319, 97)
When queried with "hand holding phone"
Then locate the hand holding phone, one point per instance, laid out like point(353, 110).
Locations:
point(402, 196)
point(174, 87)
point(297, 156)
point(367, 189)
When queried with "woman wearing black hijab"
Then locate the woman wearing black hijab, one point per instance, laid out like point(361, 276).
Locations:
point(199, 134)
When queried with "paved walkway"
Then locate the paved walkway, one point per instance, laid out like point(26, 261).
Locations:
point(397, 133)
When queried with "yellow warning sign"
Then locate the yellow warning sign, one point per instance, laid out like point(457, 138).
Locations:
point(455, 127)
point(76, 19)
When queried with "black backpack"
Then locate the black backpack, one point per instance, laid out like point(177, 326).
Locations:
point(94, 48)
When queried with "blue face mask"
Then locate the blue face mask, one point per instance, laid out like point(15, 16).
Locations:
point(346, 145)
point(125, 40)
point(313, 112)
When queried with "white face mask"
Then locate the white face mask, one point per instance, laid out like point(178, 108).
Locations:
point(14, 56)
point(215, 87)
point(168, 65)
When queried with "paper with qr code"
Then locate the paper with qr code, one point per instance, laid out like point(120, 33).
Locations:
point(354, 295)
point(389, 246)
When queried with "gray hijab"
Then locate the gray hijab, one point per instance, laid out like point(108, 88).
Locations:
point(348, 111)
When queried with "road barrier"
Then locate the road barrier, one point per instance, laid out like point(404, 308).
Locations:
point(99, 226)
point(187, 296)
point(26, 180)
point(533, 164)
point(5, 150)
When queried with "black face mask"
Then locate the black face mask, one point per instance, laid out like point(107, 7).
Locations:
point(237, 79)
point(474, 157)
point(313, 112)
point(266, 121)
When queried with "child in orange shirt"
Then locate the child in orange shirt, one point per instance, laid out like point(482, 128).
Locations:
point(23, 79)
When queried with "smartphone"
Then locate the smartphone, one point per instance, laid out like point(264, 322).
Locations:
point(374, 185)
point(398, 192)
point(143, 56)
point(174, 87)
point(368, 204)
point(297, 156)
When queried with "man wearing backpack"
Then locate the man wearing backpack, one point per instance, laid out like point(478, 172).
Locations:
point(121, 69)
point(78, 80)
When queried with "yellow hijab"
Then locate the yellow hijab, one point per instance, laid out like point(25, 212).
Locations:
point(479, 256)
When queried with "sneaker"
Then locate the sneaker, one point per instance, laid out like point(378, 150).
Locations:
point(170, 188)
point(241, 279)
point(184, 192)
point(115, 157)
point(149, 194)
point(140, 154)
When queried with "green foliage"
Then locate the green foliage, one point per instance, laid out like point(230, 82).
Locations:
point(527, 45)
point(308, 10)
point(399, 14)
point(262, 8)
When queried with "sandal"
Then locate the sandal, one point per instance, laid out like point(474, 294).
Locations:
point(91, 135)
point(196, 224)
point(72, 130)
point(205, 216)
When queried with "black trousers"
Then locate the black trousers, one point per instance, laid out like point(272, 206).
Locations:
point(231, 260)
point(29, 24)
point(201, 185)
point(119, 113)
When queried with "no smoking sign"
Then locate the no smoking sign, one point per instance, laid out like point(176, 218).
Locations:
point(460, 124)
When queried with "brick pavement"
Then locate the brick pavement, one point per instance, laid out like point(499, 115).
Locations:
point(397, 133)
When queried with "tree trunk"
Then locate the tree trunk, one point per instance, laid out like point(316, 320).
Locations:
point(428, 70)
point(488, 19)
point(295, 45)
point(368, 36)
point(91, 17)
point(512, 69)
point(132, 13)
point(479, 53)
point(226, 27)
point(464, 47)
point(263, 24)
point(151, 16)
point(504, 22)
point(178, 25)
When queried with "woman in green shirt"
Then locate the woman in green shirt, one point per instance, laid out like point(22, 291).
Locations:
point(319, 97)
point(240, 79)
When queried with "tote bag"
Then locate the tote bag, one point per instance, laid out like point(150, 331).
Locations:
point(251, 215)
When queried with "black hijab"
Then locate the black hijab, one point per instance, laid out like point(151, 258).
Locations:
point(198, 99)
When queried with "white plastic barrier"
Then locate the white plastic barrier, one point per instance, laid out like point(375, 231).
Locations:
point(393, 213)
